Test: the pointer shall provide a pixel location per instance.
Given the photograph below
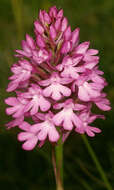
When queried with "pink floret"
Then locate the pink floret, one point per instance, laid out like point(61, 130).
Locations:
point(38, 132)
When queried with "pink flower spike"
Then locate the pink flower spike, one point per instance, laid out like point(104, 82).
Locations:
point(57, 82)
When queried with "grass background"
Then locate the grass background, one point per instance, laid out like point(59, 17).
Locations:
point(21, 170)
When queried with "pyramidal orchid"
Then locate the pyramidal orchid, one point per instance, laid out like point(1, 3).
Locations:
point(57, 81)
point(56, 74)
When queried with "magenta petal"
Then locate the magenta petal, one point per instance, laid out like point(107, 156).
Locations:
point(103, 106)
point(47, 91)
point(92, 51)
point(11, 101)
point(21, 52)
point(75, 36)
point(65, 91)
point(79, 107)
point(80, 130)
point(82, 48)
point(53, 135)
point(30, 144)
point(25, 126)
point(66, 47)
point(77, 121)
point(25, 136)
point(14, 123)
point(28, 107)
point(60, 13)
point(58, 118)
point(53, 12)
point(82, 94)
point(11, 110)
point(12, 86)
point(25, 47)
point(47, 18)
point(18, 112)
point(58, 106)
point(52, 32)
point(38, 27)
point(57, 23)
point(30, 41)
point(35, 128)
point(90, 133)
point(96, 130)
point(56, 95)
point(67, 124)
point(64, 24)
point(67, 33)
point(42, 135)
point(40, 41)
point(44, 104)
point(44, 82)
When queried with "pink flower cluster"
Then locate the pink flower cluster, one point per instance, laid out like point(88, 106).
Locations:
point(56, 81)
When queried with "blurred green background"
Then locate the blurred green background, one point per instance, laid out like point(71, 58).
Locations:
point(21, 170)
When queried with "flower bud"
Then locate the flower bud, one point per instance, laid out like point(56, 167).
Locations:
point(64, 24)
point(38, 27)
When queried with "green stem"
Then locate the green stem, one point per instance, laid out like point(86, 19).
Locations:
point(97, 163)
point(17, 12)
point(57, 160)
